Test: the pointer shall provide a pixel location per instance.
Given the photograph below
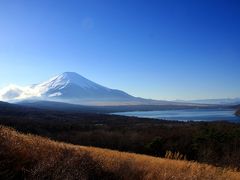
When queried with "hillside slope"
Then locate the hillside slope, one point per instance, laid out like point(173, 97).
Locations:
point(31, 157)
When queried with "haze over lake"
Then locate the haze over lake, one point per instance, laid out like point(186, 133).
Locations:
point(187, 115)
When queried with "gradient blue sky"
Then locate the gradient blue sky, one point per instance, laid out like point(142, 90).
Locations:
point(162, 49)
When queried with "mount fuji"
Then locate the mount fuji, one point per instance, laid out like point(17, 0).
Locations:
point(67, 87)
point(72, 88)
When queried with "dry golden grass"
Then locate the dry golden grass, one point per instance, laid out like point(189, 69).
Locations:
point(31, 157)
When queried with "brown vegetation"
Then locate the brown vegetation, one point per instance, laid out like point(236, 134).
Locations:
point(32, 157)
point(216, 143)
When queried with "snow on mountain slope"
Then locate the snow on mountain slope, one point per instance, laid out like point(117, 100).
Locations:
point(66, 87)
point(73, 86)
point(64, 80)
point(70, 87)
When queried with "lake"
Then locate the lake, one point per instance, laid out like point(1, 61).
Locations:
point(187, 115)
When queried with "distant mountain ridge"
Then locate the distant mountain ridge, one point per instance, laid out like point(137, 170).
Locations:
point(70, 87)
point(228, 101)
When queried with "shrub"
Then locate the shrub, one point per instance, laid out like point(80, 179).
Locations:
point(175, 155)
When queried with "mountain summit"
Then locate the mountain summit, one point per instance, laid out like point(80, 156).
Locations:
point(66, 87)
point(67, 78)
point(74, 87)
point(70, 87)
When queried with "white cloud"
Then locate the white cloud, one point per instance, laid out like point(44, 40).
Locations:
point(14, 92)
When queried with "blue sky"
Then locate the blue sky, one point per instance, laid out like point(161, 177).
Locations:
point(161, 49)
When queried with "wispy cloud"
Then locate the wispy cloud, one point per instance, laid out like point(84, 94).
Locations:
point(15, 92)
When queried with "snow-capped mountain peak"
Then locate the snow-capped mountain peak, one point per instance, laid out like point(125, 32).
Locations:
point(74, 78)
point(63, 80)
point(68, 86)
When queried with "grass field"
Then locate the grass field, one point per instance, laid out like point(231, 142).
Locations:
point(24, 156)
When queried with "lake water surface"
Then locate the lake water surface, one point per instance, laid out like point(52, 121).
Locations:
point(187, 114)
